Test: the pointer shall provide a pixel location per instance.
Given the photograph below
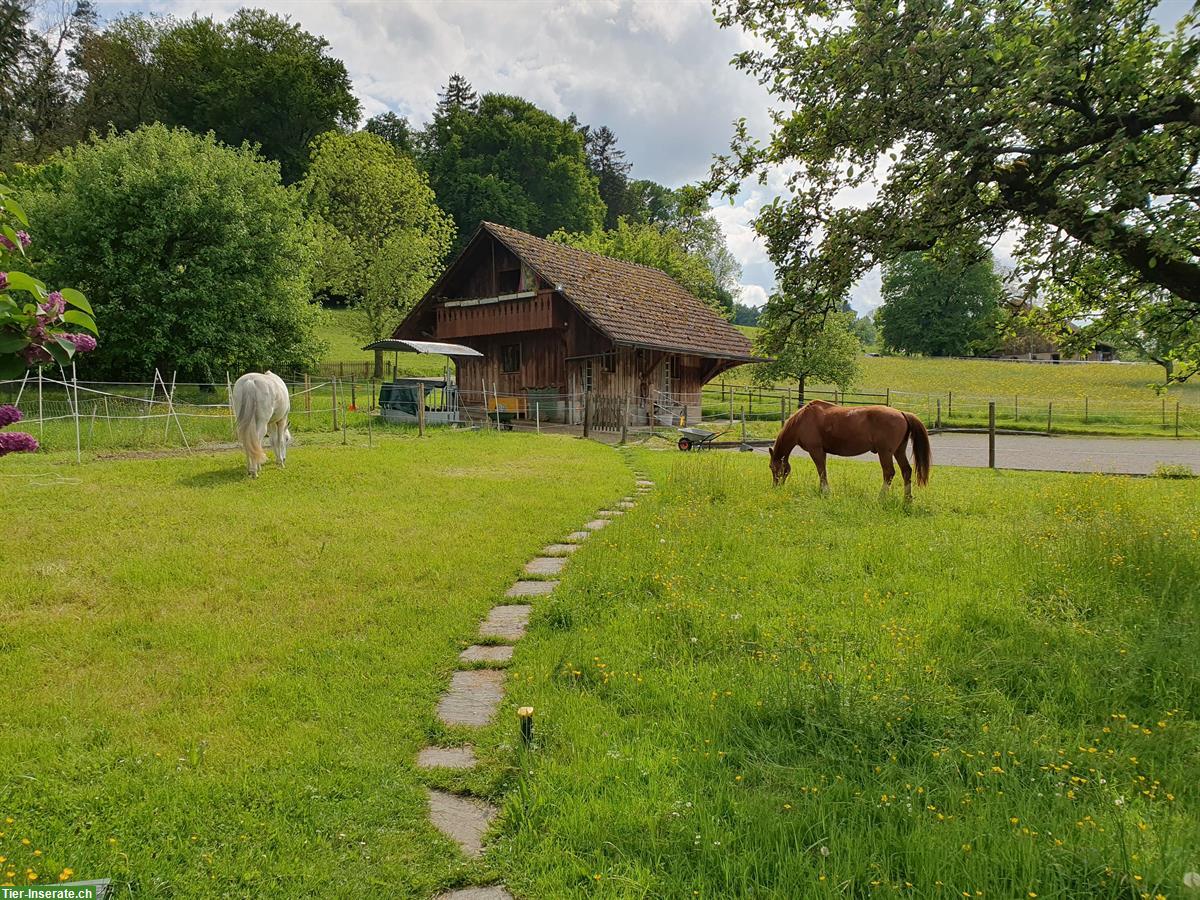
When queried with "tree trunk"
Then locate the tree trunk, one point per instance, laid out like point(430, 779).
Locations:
point(378, 364)
point(800, 390)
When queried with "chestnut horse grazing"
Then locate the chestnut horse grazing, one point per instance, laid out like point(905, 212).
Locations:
point(822, 428)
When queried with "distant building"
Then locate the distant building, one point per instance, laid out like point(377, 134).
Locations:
point(556, 324)
point(1029, 344)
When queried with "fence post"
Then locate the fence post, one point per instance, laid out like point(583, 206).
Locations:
point(333, 399)
point(1049, 416)
point(731, 406)
point(949, 404)
point(888, 401)
point(1085, 410)
point(1176, 418)
point(624, 418)
point(991, 434)
point(307, 398)
point(41, 419)
point(782, 410)
point(1016, 412)
point(537, 415)
point(938, 422)
point(587, 413)
point(743, 426)
point(421, 409)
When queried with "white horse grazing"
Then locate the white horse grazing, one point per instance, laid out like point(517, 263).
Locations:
point(261, 404)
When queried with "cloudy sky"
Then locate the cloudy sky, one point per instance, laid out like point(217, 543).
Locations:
point(655, 71)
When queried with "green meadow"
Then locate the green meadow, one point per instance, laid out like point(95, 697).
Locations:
point(747, 692)
point(217, 688)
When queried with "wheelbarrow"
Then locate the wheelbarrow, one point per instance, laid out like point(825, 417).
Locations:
point(697, 438)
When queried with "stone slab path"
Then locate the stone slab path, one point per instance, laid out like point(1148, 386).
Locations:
point(545, 565)
point(479, 653)
point(506, 622)
point(463, 819)
point(473, 697)
point(446, 758)
point(531, 589)
point(475, 694)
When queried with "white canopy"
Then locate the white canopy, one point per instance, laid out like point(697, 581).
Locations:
point(401, 346)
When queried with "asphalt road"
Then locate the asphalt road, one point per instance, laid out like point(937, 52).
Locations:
point(1113, 455)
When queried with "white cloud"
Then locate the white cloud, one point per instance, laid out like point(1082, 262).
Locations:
point(655, 72)
point(752, 294)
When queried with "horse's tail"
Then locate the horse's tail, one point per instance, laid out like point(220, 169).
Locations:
point(922, 454)
point(248, 429)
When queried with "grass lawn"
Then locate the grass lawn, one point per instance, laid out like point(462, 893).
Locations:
point(216, 688)
point(345, 346)
point(748, 692)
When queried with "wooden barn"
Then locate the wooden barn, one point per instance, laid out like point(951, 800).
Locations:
point(557, 325)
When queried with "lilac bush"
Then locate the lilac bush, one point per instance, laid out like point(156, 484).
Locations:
point(35, 323)
point(14, 441)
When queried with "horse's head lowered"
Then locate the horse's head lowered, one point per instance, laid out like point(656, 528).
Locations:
point(781, 467)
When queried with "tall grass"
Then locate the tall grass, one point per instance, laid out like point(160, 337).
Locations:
point(749, 692)
point(217, 688)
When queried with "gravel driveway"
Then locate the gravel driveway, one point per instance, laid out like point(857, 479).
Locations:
point(1115, 455)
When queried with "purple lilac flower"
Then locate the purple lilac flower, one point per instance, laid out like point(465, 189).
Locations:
point(17, 442)
point(84, 343)
point(54, 306)
point(8, 415)
point(24, 238)
point(36, 356)
point(3, 281)
point(37, 332)
point(6, 243)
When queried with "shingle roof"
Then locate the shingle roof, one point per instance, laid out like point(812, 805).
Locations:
point(631, 303)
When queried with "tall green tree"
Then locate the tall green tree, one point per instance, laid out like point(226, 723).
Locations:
point(193, 254)
point(825, 352)
point(35, 88)
point(256, 77)
point(511, 163)
point(381, 236)
point(121, 80)
point(940, 306)
point(1075, 124)
point(607, 162)
point(395, 130)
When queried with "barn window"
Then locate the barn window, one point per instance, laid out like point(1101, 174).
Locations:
point(610, 361)
point(510, 358)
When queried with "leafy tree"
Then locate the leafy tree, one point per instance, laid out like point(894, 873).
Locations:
point(512, 163)
point(651, 246)
point(122, 82)
point(826, 352)
point(865, 330)
point(395, 130)
point(940, 306)
point(649, 201)
point(256, 77)
point(607, 162)
point(1074, 123)
point(744, 314)
point(381, 236)
point(35, 91)
point(193, 254)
